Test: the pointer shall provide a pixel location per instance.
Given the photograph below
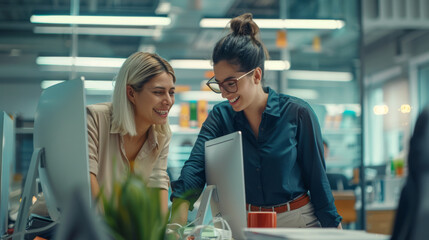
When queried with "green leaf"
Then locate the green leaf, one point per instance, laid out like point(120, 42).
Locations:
point(133, 211)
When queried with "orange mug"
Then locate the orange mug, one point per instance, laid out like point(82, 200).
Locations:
point(261, 219)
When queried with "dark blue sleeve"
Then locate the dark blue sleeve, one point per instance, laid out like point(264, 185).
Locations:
point(310, 156)
point(192, 177)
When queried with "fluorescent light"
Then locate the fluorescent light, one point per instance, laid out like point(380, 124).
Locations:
point(101, 20)
point(381, 109)
point(163, 8)
point(49, 83)
point(405, 108)
point(313, 24)
point(99, 85)
point(320, 76)
point(275, 65)
point(81, 61)
point(137, 32)
point(303, 93)
point(176, 129)
point(89, 84)
point(278, 23)
point(201, 95)
point(190, 64)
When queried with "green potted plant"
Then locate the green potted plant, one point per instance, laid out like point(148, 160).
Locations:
point(133, 211)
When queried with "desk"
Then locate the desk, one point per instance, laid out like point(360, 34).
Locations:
point(309, 234)
point(345, 203)
point(380, 217)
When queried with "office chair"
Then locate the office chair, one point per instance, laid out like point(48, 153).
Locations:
point(338, 181)
point(412, 215)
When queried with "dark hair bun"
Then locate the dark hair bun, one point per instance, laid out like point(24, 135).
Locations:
point(244, 25)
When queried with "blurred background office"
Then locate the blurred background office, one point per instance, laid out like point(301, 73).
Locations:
point(362, 65)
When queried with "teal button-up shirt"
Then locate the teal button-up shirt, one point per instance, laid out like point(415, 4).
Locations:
point(285, 161)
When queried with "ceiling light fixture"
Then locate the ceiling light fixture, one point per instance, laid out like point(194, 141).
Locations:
point(101, 20)
point(278, 23)
point(136, 32)
point(190, 64)
point(89, 84)
point(81, 61)
point(275, 65)
point(308, 94)
point(200, 95)
point(320, 76)
point(163, 8)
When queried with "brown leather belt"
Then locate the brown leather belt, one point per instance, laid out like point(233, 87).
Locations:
point(289, 206)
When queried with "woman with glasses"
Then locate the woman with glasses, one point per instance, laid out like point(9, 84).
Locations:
point(132, 134)
point(282, 143)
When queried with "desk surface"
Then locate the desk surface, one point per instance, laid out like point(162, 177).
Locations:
point(310, 234)
point(381, 206)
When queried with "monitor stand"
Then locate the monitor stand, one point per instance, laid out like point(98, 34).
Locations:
point(209, 197)
point(204, 205)
point(28, 193)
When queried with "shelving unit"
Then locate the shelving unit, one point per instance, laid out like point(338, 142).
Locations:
point(24, 144)
point(181, 144)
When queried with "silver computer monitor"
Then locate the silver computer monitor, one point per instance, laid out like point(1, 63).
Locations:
point(6, 158)
point(60, 150)
point(224, 171)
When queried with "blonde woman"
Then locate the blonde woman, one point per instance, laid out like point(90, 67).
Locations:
point(131, 134)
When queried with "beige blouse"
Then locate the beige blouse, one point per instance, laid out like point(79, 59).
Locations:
point(107, 155)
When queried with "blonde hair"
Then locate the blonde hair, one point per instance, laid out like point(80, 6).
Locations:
point(137, 70)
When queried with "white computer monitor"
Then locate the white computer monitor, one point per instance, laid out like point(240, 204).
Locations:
point(60, 154)
point(6, 159)
point(225, 182)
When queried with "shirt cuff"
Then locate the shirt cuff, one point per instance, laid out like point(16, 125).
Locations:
point(178, 191)
point(159, 179)
point(93, 166)
point(329, 217)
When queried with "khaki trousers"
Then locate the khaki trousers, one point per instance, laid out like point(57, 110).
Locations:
point(299, 218)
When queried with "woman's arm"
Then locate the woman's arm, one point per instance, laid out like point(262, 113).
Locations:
point(93, 141)
point(95, 188)
point(190, 184)
point(163, 197)
point(179, 211)
point(310, 156)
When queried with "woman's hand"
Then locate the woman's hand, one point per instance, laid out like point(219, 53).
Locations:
point(340, 226)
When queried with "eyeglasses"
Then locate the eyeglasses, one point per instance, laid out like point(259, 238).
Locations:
point(229, 85)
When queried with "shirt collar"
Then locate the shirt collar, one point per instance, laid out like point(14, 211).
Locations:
point(113, 131)
point(152, 136)
point(272, 107)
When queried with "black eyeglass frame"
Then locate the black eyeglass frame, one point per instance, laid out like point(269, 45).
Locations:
point(221, 85)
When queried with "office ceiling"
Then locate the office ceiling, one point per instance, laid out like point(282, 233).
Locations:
point(182, 39)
